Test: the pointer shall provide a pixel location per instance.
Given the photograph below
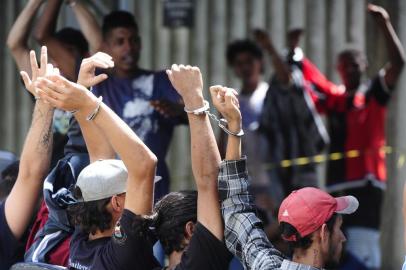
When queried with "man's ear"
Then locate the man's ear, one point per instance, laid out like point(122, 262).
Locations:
point(189, 230)
point(324, 236)
point(116, 205)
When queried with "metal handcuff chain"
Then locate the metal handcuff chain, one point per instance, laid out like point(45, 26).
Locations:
point(221, 122)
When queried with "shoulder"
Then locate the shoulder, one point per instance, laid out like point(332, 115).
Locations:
point(205, 251)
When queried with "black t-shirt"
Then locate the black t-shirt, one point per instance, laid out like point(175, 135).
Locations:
point(128, 248)
point(205, 251)
point(10, 248)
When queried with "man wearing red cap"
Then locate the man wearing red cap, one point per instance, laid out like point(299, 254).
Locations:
point(310, 220)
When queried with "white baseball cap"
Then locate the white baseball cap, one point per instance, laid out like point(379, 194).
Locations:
point(102, 179)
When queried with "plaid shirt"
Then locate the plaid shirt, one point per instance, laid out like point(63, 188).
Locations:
point(244, 234)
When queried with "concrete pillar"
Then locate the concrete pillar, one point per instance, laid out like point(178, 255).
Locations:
point(276, 23)
point(392, 227)
point(237, 29)
point(336, 35)
point(315, 32)
point(356, 23)
point(217, 44)
point(145, 21)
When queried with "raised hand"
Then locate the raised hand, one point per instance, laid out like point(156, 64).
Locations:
point(63, 94)
point(226, 102)
point(37, 72)
point(262, 38)
point(87, 76)
point(378, 12)
point(188, 82)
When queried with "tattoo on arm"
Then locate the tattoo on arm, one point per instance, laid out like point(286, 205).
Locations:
point(43, 117)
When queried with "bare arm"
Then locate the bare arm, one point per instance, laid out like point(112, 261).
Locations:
point(35, 159)
point(17, 40)
point(44, 35)
point(395, 50)
point(96, 143)
point(281, 69)
point(138, 159)
point(226, 102)
point(205, 155)
point(88, 24)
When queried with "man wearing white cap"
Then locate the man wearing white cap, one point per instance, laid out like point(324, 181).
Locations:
point(310, 220)
point(113, 196)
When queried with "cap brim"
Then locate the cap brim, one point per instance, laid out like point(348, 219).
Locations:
point(346, 205)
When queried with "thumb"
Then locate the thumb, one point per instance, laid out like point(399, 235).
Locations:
point(26, 79)
point(98, 79)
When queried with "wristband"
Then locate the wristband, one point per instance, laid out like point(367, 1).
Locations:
point(93, 115)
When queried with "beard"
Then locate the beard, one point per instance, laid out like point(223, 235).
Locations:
point(333, 260)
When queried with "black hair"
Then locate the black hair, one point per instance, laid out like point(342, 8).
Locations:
point(90, 216)
point(172, 213)
point(352, 53)
point(74, 38)
point(118, 18)
point(240, 46)
point(305, 242)
point(8, 178)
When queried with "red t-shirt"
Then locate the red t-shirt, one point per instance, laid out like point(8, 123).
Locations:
point(356, 122)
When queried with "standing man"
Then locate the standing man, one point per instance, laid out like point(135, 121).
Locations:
point(144, 99)
point(357, 122)
point(245, 58)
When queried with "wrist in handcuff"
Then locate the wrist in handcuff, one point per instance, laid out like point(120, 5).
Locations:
point(222, 123)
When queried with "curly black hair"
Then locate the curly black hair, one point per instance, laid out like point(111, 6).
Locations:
point(240, 46)
point(172, 213)
point(305, 242)
point(90, 216)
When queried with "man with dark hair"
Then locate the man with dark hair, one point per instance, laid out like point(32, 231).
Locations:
point(357, 125)
point(113, 239)
point(144, 99)
point(237, 47)
point(246, 60)
point(175, 212)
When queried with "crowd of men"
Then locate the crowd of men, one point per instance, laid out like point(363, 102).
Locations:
point(101, 129)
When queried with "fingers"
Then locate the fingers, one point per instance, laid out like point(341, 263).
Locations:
point(34, 64)
point(230, 98)
point(50, 88)
point(56, 71)
point(99, 78)
point(49, 70)
point(102, 56)
point(26, 79)
point(48, 99)
point(44, 60)
point(101, 62)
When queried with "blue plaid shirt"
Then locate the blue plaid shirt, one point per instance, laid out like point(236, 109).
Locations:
point(244, 234)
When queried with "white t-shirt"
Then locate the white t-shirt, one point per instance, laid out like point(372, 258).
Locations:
point(254, 144)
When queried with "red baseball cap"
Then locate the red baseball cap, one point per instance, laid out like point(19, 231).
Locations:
point(307, 209)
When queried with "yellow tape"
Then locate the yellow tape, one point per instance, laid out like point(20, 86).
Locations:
point(301, 161)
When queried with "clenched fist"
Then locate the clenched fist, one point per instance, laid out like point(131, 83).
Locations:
point(188, 82)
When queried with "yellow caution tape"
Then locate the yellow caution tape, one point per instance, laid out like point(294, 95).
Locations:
point(301, 161)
